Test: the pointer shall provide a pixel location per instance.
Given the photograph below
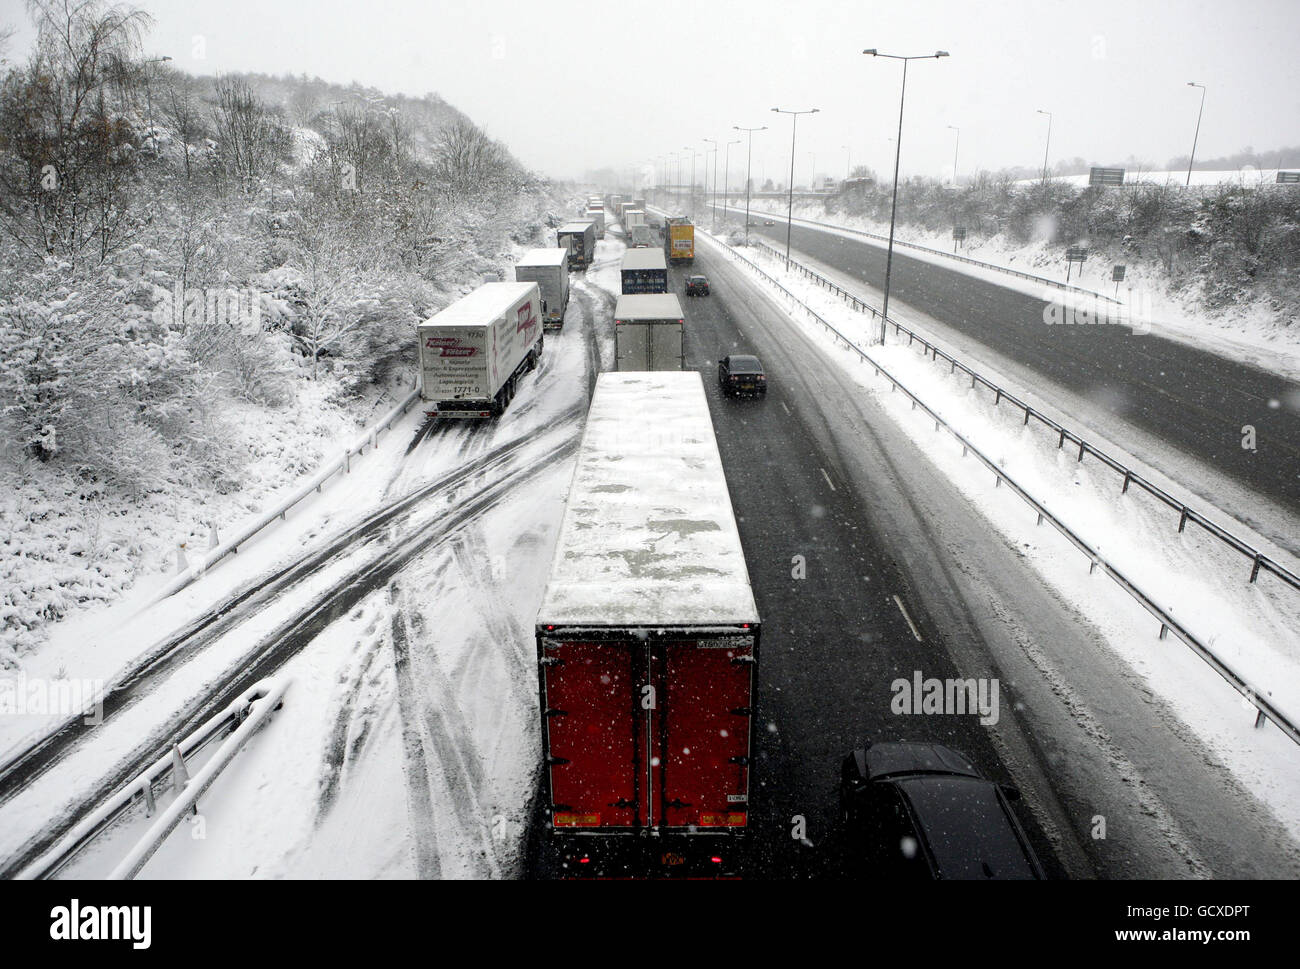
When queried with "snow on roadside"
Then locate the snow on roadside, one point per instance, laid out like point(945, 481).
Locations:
point(1251, 627)
point(1252, 334)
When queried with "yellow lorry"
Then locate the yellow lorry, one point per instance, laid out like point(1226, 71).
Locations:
point(679, 239)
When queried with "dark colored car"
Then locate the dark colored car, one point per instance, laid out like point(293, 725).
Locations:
point(741, 374)
point(923, 811)
point(697, 286)
point(768, 222)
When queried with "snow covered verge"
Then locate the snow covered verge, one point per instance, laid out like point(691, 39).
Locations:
point(1253, 327)
point(1251, 628)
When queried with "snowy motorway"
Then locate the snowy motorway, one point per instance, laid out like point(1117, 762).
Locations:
point(401, 603)
point(1182, 403)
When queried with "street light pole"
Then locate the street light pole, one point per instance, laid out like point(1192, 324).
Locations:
point(955, 147)
point(726, 181)
point(1049, 141)
point(848, 162)
point(789, 214)
point(749, 160)
point(1196, 137)
point(898, 151)
point(693, 154)
point(713, 221)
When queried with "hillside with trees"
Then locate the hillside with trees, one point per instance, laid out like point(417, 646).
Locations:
point(186, 261)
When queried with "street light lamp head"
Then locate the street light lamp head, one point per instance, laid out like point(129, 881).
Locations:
point(872, 51)
point(941, 53)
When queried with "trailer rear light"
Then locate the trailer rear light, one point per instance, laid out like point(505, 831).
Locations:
point(584, 860)
point(716, 859)
point(549, 628)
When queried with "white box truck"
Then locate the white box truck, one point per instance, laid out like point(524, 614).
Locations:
point(580, 239)
point(648, 332)
point(474, 352)
point(549, 269)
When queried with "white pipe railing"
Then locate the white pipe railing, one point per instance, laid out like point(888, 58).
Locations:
point(369, 438)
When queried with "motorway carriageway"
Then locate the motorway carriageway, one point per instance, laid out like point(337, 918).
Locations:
point(817, 470)
point(1194, 400)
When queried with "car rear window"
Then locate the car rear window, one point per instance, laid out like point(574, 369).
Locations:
point(969, 833)
point(746, 365)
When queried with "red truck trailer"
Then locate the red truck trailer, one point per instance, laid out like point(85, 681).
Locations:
point(647, 644)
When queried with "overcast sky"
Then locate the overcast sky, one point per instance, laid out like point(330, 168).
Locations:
point(571, 86)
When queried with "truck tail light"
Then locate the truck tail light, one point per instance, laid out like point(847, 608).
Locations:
point(716, 859)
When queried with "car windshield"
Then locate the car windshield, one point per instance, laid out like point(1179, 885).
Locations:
point(745, 365)
point(967, 829)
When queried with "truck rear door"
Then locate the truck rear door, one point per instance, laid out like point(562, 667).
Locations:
point(593, 735)
point(632, 343)
point(701, 733)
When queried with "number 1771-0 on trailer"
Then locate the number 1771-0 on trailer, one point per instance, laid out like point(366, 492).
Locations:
point(647, 644)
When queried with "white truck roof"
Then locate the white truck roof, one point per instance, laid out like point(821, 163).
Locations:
point(648, 306)
point(544, 257)
point(649, 536)
point(644, 259)
point(483, 305)
point(576, 226)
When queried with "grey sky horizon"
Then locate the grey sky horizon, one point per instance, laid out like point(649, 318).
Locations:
point(620, 84)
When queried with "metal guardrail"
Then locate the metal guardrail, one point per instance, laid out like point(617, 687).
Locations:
point(952, 255)
point(1259, 561)
point(245, 714)
point(1265, 710)
point(369, 438)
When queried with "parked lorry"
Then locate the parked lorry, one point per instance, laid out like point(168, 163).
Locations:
point(647, 644)
point(640, 237)
point(648, 332)
point(580, 239)
point(631, 219)
point(597, 215)
point(644, 271)
point(639, 204)
point(679, 239)
point(474, 352)
point(549, 269)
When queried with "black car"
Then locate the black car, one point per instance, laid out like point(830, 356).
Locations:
point(741, 374)
point(923, 811)
point(768, 222)
point(697, 285)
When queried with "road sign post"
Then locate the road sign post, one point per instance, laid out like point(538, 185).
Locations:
point(1072, 255)
point(1105, 176)
point(1117, 275)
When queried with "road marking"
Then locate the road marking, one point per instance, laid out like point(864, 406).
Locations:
point(828, 479)
point(786, 409)
point(910, 625)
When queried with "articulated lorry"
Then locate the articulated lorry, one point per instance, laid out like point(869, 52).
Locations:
point(648, 332)
point(580, 239)
point(644, 271)
point(549, 269)
point(597, 215)
point(647, 644)
point(474, 353)
point(679, 239)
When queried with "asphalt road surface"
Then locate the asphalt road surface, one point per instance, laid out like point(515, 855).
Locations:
point(1196, 401)
point(835, 638)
